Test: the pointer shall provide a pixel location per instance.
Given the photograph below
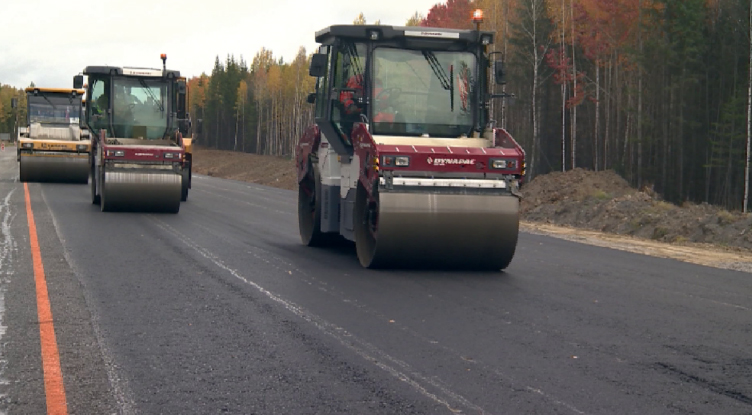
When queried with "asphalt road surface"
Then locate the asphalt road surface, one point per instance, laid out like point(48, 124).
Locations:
point(220, 309)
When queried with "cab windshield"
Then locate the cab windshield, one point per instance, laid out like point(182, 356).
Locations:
point(54, 109)
point(140, 108)
point(423, 92)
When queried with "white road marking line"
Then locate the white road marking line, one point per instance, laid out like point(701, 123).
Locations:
point(415, 334)
point(362, 348)
point(288, 267)
point(7, 248)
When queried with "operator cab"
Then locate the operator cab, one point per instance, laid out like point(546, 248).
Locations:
point(53, 107)
point(400, 81)
point(132, 103)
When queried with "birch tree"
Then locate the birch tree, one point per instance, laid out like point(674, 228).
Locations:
point(533, 38)
point(749, 115)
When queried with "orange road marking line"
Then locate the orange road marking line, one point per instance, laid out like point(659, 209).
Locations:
point(53, 375)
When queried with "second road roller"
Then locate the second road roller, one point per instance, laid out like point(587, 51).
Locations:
point(403, 158)
point(53, 147)
point(138, 153)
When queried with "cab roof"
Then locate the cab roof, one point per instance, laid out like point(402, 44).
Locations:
point(127, 71)
point(66, 91)
point(391, 33)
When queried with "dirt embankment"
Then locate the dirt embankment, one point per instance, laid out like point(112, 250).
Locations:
point(599, 208)
point(265, 170)
point(605, 202)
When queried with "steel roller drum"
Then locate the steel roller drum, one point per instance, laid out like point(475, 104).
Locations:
point(65, 168)
point(442, 231)
point(141, 191)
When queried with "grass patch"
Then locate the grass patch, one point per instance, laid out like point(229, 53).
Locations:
point(659, 233)
point(725, 217)
point(601, 195)
point(662, 207)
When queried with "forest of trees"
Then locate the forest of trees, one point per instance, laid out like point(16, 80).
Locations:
point(258, 109)
point(7, 113)
point(654, 89)
point(657, 90)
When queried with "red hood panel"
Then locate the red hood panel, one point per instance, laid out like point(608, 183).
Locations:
point(451, 159)
point(449, 152)
point(143, 153)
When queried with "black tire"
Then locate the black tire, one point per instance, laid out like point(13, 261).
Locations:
point(22, 173)
point(184, 191)
point(102, 199)
point(185, 184)
point(366, 229)
point(95, 199)
point(309, 213)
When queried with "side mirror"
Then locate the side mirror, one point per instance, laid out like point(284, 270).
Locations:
point(199, 126)
point(183, 126)
point(181, 110)
point(311, 98)
point(318, 65)
point(499, 75)
point(78, 81)
point(14, 102)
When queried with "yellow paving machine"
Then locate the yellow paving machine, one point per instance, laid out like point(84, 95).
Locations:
point(52, 147)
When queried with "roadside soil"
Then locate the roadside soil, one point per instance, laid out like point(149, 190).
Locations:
point(597, 208)
point(265, 170)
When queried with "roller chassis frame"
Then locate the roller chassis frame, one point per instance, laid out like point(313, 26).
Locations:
point(450, 201)
point(358, 199)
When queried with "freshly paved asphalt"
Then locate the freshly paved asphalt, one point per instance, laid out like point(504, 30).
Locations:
point(220, 309)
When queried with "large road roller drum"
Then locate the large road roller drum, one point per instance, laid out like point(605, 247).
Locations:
point(61, 167)
point(140, 191)
point(435, 230)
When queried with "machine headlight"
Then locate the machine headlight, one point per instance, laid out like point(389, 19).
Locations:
point(27, 145)
point(503, 164)
point(115, 153)
point(172, 156)
point(396, 161)
point(81, 147)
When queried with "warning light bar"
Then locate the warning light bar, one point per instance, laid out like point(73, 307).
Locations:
point(478, 16)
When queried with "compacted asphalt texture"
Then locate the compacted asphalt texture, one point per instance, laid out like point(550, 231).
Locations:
point(221, 309)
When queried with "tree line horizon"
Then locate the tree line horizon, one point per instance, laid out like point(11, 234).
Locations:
point(656, 90)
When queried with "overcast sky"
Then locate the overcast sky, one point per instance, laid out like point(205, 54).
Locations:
point(49, 41)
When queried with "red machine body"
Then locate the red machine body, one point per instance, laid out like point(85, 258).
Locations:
point(405, 160)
